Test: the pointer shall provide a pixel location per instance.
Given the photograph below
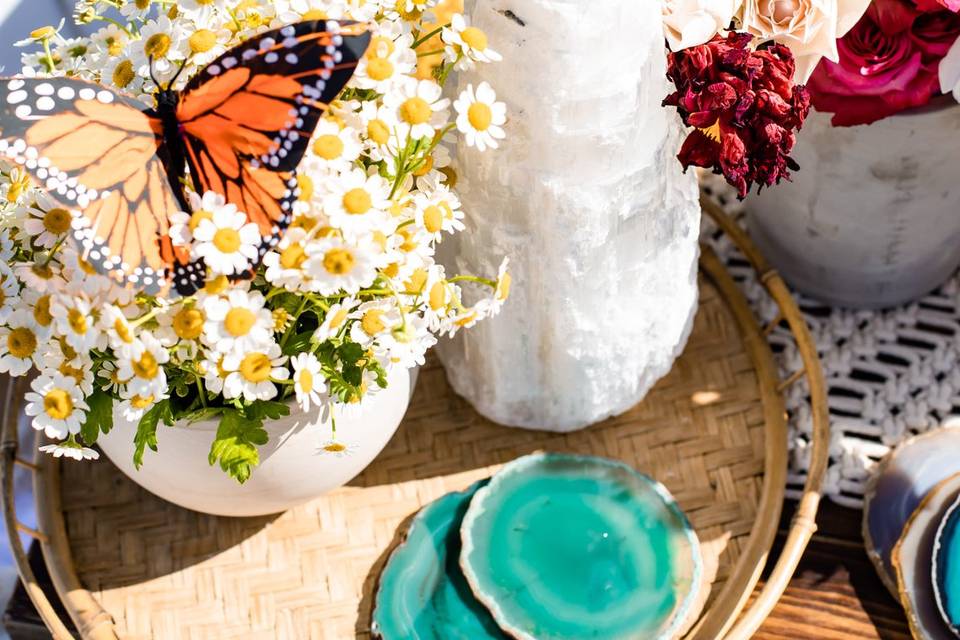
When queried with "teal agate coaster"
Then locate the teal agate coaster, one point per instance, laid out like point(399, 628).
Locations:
point(423, 594)
point(946, 568)
point(561, 546)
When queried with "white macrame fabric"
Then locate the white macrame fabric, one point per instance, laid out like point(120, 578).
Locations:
point(890, 374)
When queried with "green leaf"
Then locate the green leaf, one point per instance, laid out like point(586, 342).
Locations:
point(235, 446)
point(146, 435)
point(267, 410)
point(99, 416)
point(298, 343)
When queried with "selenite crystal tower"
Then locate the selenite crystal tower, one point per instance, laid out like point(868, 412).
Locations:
point(587, 199)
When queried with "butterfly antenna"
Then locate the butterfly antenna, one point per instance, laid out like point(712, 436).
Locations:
point(153, 77)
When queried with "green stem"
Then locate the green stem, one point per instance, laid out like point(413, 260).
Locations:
point(490, 283)
point(421, 39)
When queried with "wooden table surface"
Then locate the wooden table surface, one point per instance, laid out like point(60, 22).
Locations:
point(835, 594)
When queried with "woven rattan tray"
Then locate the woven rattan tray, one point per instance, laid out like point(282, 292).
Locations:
point(127, 564)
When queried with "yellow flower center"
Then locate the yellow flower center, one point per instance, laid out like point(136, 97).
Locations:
point(77, 321)
point(41, 270)
point(198, 217)
point(503, 287)
point(474, 38)
point(123, 330)
point(379, 69)
point(338, 318)
point(380, 47)
point(58, 404)
point(255, 367)
point(409, 242)
point(306, 187)
point(292, 257)
point(239, 321)
point(142, 4)
point(391, 270)
point(438, 296)
point(280, 318)
point(146, 367)
point(372, 322)
point(357, 201)
point(202, 41)
point(157, 45)
point(467, 319)
point(433, 218)
point(378, 131)
point(417, 281)
point(141, 402)
point(303, 222)
point(215, 286)
point(68, 352)
point(227, 240)
point(328, 146)
point(18, 185)
point(85, 266)
point(425, 167)
point(21, 342)
point(115, 47)
point(71, 372)
point(415, 110)
point(480, 116)
point(306, 380)
point(314, 14)
point(338, 261)
point(334, 447)
point(123, 74)
point(43, 33)
point(188, 324)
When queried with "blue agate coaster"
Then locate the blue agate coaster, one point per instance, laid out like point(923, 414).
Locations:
point(562, 546)
point(946, 568)
point(422, 593)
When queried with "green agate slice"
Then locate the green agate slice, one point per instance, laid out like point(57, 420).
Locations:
point(561, 546)
point(423, 594)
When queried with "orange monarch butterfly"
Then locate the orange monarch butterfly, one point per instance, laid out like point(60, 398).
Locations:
point(241, 126)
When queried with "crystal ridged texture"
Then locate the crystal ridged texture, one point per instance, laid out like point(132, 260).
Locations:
point(587, 199)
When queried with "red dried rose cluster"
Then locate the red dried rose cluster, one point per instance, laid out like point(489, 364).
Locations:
point(744, 108)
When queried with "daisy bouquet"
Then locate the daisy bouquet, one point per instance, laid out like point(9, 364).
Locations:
point(350, 290)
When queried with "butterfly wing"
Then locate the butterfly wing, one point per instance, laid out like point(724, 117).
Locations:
point(248, 117)
point(96, 153)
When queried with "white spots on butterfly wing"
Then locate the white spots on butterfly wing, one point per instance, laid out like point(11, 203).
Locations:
point(66, 93)
point(267, 43)
point(274, 161)
point(23, 111)
point(105, 96)
point(229, 62)
point(42, 174)
point(16, 97)
point(87, 94)
point(325, 74)
point(31, 164)
point(46, 103)
point(289, 43)
point(288, 31)
point(43, 162)
point(31, 153)
point(248, 54)
point(291, 58)
point(44, 89)
point(15, 84)
point(271, 57)
point(338, 56)
point(214, 70)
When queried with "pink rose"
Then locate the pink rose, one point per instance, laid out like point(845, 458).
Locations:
point(884, 68)
point(938, 5)
point(935, 33)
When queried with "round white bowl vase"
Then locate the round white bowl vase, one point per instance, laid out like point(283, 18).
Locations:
point(872, 218)
point(293, 469)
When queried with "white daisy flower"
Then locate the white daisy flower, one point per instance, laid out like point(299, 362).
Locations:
point(480, 117)
point(9, 292)
point(237, 321)
point(38, 304)
point(336, 448)
point(120, 334)
point(334, 320)
point(6, 246)
point(109, 41)
point(308, 381)
point(251, 372)
point(74, 319)
point(183, 224)
point(386, 63)
point(159, 47)
point(132, 406)
point(439, 212)
point(202, 10)
point(357, 203)
point(227, 242)
point(20, 341)
point(145, 375)
point(78, 366)
point(206, 40)
point(284, 264)
point(466, 44)
point(333, 147)
point(211, 368)
point(46, 228)
point(109, 377)
point(56, 405)
point(419, 108)
point(71, 450)
point(375, 318)
point(407, 344)
point(336, 266)
point(40, 275)
point(378, 124)
point(122, 74)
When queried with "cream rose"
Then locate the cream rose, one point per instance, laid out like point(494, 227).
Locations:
point(809, 27)
point(687, 23)
point(950, 71)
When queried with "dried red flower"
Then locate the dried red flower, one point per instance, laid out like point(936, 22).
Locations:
point(744, 108)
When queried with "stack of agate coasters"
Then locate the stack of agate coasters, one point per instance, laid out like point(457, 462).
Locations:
point(553, 546)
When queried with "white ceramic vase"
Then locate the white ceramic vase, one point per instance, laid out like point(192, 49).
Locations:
point(587, 199)
point(293, 467)
point(872, 219)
